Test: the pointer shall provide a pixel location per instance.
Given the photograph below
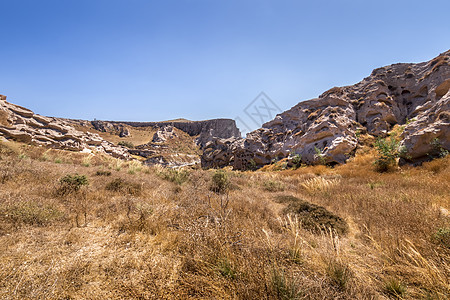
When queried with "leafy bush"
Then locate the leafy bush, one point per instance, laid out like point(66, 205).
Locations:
point(71, 184)
point(296, 161)
point(220, 182)
point(126, 144)
point(437, 151)
point(388, 152)
point(320, 156)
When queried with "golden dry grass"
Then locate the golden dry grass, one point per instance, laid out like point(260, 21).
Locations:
point(157, 238)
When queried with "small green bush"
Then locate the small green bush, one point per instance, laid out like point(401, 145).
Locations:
point(388, 152)
point(226, 269)
point(339, 273)
point(71, 184)
point(296, 161)
point(220, 182)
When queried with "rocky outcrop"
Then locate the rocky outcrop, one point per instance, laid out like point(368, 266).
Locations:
point(113, 128)
point(205, 130)
point(163, 134)
point(326, 128)
point(23, 125)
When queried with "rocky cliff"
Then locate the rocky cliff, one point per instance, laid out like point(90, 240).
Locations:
point(23, 125)
point(327, 128)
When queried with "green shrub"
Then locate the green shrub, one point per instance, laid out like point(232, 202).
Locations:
point(296, 161)
point(437, 151)
point(71, 184)
point(388, 152)
point(320, 156)
point(220, 182)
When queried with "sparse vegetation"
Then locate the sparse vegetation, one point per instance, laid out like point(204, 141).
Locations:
point(389, 151)
point(220, 182)
point(347, 232)
point(72, 183)
point(126, 144)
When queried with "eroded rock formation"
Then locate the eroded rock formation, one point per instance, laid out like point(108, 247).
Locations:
point(413, 95)
point(23, 125)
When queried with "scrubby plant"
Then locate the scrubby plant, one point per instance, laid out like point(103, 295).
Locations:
point(320, 156)
point(252, 166)
point(178, 176)
point(226, 268)
point(220, 182)
point(296, 161)
point(438, 151)
point(32, 213)
point(389, 150)
point(72, 183)
point(273, 186)
point(121, 185)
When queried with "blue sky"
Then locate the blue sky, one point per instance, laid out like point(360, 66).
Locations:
point(148, 60)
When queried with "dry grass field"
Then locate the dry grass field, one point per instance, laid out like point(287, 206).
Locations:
point(120, 230)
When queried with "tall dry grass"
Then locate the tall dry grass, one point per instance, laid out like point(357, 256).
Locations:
point(134, 233)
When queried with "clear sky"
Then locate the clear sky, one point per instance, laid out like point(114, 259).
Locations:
point(146, 60)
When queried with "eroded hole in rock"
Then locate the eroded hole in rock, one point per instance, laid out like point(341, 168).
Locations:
point(442, 89)
point(406, 92)
point(382, 96)
point(392, 88)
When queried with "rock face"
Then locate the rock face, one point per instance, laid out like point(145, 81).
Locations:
point(23, 125)
point(326, 128)
point(163, 134)
point(118, 129)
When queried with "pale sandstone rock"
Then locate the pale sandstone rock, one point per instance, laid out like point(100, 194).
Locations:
point(414, 95)
point(25, 126)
